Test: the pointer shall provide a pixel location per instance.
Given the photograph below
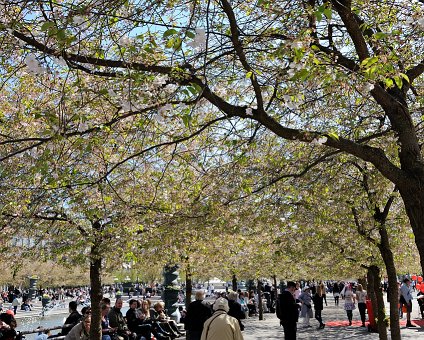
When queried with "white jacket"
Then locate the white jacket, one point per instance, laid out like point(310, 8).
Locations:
point(221, 326)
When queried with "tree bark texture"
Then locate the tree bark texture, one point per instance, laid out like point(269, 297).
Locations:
point(389, 262)
point(234, 282)
point(189, 286)
point(260, 305)
point(96, 293)
point(373, 276)
point(413, 198)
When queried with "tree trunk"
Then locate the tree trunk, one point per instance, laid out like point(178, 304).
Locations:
point(377, 300)
point(96, 293)
point(234, 282)
point(260, 306)
point(387, 255)
point(413, 198)
point(275, 288)
point(189, 286)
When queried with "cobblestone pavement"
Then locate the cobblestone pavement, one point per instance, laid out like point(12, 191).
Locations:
point(336, 326)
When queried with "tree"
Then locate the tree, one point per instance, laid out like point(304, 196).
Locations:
point(358, 60)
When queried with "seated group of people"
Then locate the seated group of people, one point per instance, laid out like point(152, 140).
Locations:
point(141, 321)
point(8, 326)
point(144, 319)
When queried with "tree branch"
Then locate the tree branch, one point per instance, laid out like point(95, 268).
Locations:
point(235, 37)
point(343, 8)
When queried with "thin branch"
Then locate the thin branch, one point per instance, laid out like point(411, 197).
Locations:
point(235, 37)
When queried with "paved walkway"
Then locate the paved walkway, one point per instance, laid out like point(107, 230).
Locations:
point(336, 326)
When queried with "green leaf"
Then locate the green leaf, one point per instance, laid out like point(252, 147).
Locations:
point(404, 76)
point(186, 120)
point(398, 81)
point(197, 87)
point(192, 90)
point(367, 62)
point(177, 43)
point(47, 25)
point(169, 32)
point(380, 35)
point(249, 74)
point(318, 15)
point(61, 34)
point(370, 71)
point(333, 135)
point(302, 74)
point(388, 82)
point(327, 12)
point(170, 43)
point(190, 34)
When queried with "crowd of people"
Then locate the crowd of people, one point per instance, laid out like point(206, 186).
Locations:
point(220, 319)
point(296, 302)
point(147, 320)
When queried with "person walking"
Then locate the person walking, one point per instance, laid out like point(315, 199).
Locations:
point(15, 304)
point(361, 297)
point(236, 310)
point(221, 326)
point(306, 310)
point(406, 299)
point(197, 313)
point(324, 292)
point(318, 300)
point(297, 292)
point(349, 304)
point(288, 311)
point(336, 293)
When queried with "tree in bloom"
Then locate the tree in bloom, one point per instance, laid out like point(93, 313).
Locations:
point(339, 77)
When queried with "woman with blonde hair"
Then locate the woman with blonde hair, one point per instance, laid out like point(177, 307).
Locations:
point(323, 292)
point(361, 297)
point(318, 300)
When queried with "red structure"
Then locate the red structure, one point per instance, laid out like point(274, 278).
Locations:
point(372, 326)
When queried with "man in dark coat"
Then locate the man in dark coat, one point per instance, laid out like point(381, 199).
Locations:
point(288, 311)
point(197, 313)
point(116, 320)
point(235, 309)
point(73, 318)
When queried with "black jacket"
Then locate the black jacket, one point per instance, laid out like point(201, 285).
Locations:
point(236, 312)
point(318, 302)
point(132, 321)
point(197, 313)
point(71, 321)
point(287, 308)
